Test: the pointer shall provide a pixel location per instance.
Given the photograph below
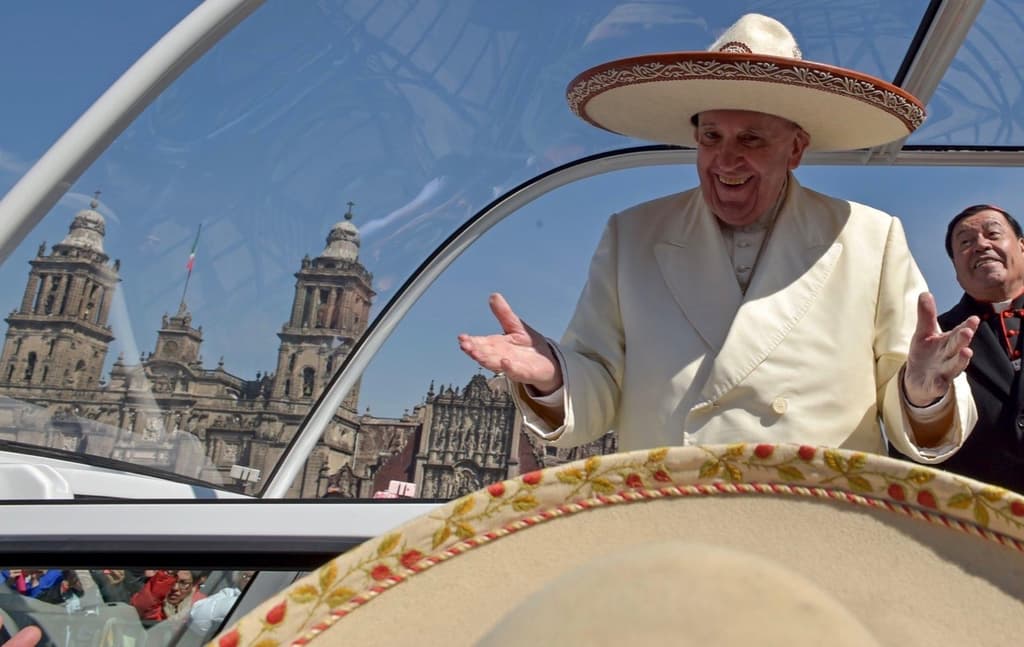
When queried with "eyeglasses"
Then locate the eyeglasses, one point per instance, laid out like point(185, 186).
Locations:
point(183, 584)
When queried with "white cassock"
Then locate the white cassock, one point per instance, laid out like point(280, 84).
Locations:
point(666, 349)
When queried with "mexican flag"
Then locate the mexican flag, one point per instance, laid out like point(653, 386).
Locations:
point(192, 254)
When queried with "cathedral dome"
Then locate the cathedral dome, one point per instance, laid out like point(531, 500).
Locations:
point(343, 241)
point(87, 230)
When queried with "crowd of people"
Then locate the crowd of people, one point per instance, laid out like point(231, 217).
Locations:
point(181, 602)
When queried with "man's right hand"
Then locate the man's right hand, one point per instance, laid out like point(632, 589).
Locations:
point(521, 353)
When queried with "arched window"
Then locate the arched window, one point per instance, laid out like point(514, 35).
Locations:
point(31, 367)
point(308, 378)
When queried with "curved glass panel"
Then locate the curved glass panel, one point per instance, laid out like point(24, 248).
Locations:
point(979, 101)
point(123, 344)
point(447, 427)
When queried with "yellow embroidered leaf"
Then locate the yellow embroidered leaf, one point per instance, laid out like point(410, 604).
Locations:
point(328, 573)
point(463, 530)
point(464, 506)
point(919, 476)
point(657, 455)
point(709, 469)
point(859, 483)
point(790, 473)
point(304, 594)
point(267, 642)
point(524, 503)
point(592, 464)
point(388, 544)
point(735, 451)
point(993, 494)
point(962, 500)
point(734, 472)
point(441, 535)
point(570, 476)
point(980, 514)
point(834, 461)
point(857, 461)
point(602, 485)
point(339, 596)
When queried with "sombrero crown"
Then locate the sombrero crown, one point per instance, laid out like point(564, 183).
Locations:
point(755, 65)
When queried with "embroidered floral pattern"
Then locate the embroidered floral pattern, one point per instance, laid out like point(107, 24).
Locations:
point(801, 74)
point(314, 603)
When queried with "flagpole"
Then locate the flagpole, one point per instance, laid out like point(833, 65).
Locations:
point(190, 265)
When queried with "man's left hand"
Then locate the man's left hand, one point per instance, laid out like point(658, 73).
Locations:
point(935, 357)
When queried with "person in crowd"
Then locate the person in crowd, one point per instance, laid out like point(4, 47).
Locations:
point(168, 594)
point(208, 613)
point(118, 585)
point(54, 585)
point(986, 246)
point(750, 308)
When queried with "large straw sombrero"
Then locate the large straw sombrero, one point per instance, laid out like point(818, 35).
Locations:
point(749, 544)
point(755, 65)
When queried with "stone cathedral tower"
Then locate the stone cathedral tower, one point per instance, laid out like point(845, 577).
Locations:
point(332, 304)
point(59, 335)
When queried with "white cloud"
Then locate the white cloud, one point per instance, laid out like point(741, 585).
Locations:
point(11, 163)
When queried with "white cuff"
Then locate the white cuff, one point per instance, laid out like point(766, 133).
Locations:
point(552, 399)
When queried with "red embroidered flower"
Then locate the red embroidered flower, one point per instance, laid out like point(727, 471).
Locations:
point(926, 498)
point(663, 476)
point(634, 481)
point(1017, 508)
point(276, 614)
point(897, 492)
point(532, 478)
point(410, 558)
point(806, 452)
point(229, 639)
point(764, 451)
point(380, 572)
point(496, 489)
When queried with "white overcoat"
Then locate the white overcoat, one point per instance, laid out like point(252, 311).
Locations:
point(665, 348)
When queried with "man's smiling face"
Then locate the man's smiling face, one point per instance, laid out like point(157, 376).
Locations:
point(988, 257)
point(743, 159)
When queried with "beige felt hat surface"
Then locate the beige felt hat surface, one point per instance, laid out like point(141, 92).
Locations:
point(726, 545)
point(755, 65)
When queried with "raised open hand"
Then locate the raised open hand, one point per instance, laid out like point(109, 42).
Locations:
point(521, 353)
point(935, 357)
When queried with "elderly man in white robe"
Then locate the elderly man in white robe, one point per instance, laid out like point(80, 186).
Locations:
point(750, 309)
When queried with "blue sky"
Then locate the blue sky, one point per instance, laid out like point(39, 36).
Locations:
point(420, 113)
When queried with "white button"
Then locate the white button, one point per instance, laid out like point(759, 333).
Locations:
point(742, 269)
point(780, 405)
point(743, 243)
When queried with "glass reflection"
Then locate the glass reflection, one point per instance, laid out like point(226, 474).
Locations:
point(110, 607)
point(359, 134)
point(978, 101)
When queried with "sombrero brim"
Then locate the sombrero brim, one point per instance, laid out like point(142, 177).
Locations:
point(916, 555)
point(653, 97)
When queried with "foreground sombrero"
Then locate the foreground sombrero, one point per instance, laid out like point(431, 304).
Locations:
point(755, 65)
point(912, 555)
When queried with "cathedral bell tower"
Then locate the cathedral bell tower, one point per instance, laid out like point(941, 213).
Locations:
point(332, 303)
point(59, 335)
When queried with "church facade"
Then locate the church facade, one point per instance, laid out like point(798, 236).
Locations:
point(169, 412)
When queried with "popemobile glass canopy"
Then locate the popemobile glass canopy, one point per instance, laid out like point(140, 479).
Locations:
point(227, 296)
